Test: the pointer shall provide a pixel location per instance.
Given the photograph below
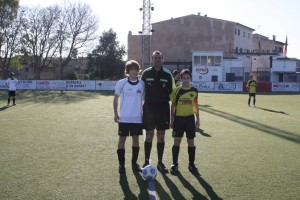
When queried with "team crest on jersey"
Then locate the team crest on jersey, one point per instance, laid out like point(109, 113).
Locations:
point(163, 85)
point(138, 91)
point(191, 95)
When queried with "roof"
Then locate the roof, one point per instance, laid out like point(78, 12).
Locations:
point(289, 59)
point(205, 16)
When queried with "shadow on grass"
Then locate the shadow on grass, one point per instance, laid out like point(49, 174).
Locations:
point(4, 108)
point(143, 186)
point(202, 132)
point(125, 187)
point(64, 97)
point(273, 111)
point(209, 190)
point(197, 195)
point(253, 124)
point(176, 194)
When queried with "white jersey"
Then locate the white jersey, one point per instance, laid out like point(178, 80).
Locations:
point(131, 97)
point(12, 84)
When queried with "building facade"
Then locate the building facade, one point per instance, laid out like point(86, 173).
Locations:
point(231, 50)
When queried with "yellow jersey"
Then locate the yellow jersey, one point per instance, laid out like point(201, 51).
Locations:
point(186, 100)
point(251, 85)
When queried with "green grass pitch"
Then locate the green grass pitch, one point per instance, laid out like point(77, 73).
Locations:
point(63, 146)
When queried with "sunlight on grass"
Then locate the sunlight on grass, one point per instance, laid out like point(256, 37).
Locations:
point(63, 146)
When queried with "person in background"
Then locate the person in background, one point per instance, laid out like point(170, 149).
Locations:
point(251, 87)
point(184, 110)
point(176, 75)
point(159, 84)
point(11, 84)
point(130, 91)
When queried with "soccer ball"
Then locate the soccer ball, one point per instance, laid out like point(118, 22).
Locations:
point(149, 172)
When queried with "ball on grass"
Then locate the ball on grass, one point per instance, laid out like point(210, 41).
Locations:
point(149, 172)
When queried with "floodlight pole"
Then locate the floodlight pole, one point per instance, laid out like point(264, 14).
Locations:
point(146, 34)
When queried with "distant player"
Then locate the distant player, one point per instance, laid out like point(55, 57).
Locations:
point(184, 109)
point(129, 116)
point(251, 86)
point(11, 84)
point(176, 75)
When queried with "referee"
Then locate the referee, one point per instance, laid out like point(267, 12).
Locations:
point(159, 84)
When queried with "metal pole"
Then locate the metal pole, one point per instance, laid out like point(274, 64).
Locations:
point(146, 34)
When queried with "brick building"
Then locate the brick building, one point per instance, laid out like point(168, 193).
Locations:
point(180, 39)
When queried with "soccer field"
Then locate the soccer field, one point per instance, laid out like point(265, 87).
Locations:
point(63, 146)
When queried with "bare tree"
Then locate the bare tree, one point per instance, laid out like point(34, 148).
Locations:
point(77, 30)
point(40, 39)
point(10, 45)
point(8, 13)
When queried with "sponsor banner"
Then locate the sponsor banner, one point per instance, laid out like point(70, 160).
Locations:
point(206, 73)
point(203, 86)
point(106, 85)
point(2, 85)
point(51, 85)
point(228, 86)
point(26, 85)
point(285, 87)
point(80, 85)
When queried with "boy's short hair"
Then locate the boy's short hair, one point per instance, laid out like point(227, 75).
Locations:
point(185, 71)
point(131, 64)
point(156, 52)
point(175, 72)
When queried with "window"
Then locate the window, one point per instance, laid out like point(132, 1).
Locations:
point(292, 78)
point(214, 78)
point(235, 31)
point(239, 32)
point(210, 61)
point(197, 60)
point(249, 35)
point(217, 61)
point(244, 34)
point(204, 60)
point(236, 50)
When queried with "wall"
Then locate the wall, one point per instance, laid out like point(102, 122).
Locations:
point(283, 66)
point(82, 85)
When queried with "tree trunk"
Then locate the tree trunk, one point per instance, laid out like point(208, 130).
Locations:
point(61, 71)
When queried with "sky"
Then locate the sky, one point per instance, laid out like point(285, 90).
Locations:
point(267, 17)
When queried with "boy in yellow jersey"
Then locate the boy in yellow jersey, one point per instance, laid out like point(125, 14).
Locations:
point(251, 86)
point(183, 111)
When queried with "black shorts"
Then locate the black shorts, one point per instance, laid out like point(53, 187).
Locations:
point(252, 94)
point(184, 124)
point(156, 116)
point(130, 129)
point(11, 93)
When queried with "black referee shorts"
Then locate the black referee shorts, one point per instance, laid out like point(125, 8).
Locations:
point(156, 116)
point(184, 124)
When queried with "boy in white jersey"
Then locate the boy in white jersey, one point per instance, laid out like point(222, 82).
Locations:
point(130, 90)
point(11, 83)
